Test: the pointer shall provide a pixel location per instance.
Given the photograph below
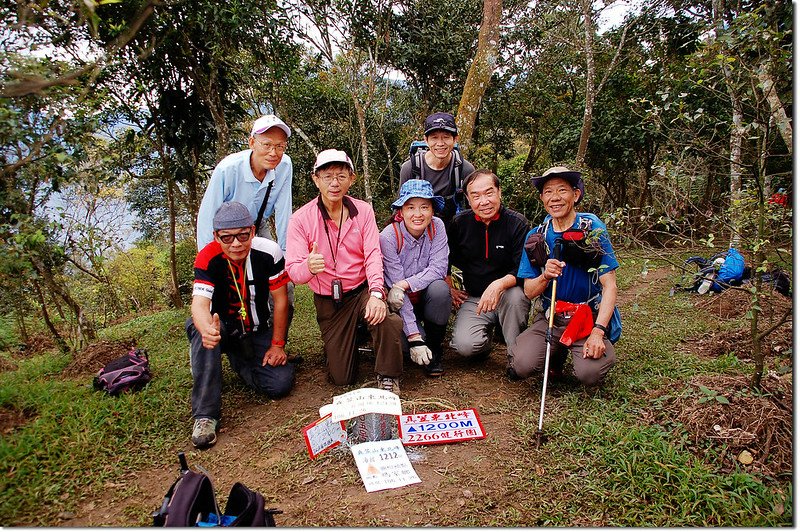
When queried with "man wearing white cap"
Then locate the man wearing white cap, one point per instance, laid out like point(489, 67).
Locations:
point(260, 178)
point(333, 245)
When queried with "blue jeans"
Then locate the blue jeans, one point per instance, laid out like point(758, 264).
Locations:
point(245, 357)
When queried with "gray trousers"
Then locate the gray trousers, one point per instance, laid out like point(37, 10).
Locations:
point(245, 359)
point(528, 352)
point(472, 333)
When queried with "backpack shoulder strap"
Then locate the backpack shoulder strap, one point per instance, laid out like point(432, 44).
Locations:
point(431, 231)
point(545, 225)
point(263, 207)
point(455, 172)
point(398, 236)
point(418, 164)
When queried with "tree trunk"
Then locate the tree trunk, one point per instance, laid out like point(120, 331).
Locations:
point(737, 128)
point(20, 314)
point(191, 189)
point(588, 110)
point(480, 72)
point(210, 95)
point(362, 129)
point(393, 187)
point(533, 155)
point(755, 306)
point(783, 123)
point(84, 331)
point(60, 342)
point(205, 78)
point(173, 263)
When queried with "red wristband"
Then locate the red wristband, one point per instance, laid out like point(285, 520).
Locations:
point(279, 343)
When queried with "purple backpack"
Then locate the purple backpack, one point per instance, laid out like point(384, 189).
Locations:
point(129, 372)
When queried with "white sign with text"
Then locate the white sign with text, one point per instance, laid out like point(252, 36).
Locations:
point(323, 435)
point(365, 401)
point(441, 427)
point(383, 465)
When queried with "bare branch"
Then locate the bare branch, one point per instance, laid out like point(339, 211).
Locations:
point(786, 314)
point(28, 84)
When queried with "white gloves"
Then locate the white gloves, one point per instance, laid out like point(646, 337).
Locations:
point(395, 298)
point(420, 353)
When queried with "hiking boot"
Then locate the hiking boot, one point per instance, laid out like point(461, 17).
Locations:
point(434, 337)
point(555, 375)
point(205, 432)
point(435, 367)
point(512, 375)
point(390, 384)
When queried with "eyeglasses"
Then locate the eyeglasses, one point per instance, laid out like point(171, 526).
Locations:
point(244, 236)
point(277, 148)
point(328, 179)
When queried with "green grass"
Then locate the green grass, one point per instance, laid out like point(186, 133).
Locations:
point(603, 465)
point(623, 474)
point(72, 443)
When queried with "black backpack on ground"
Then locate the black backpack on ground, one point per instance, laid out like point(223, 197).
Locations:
point(130, 372)
point(191, 500)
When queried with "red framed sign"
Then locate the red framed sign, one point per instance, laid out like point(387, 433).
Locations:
point(433, 428)
point(323, 435)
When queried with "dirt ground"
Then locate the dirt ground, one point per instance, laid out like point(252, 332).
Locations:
point(453, 476)
point(260, 442)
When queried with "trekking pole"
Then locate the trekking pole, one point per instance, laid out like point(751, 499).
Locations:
point(541, 437)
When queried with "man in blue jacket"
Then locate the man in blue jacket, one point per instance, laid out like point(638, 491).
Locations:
point(584, 278)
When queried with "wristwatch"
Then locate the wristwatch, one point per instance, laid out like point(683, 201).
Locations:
point(376, 293)
point(602, 328)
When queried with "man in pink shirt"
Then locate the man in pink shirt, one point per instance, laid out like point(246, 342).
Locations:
point(333, 245)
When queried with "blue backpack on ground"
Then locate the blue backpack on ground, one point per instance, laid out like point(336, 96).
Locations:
point(715, 273)
point(731, 271)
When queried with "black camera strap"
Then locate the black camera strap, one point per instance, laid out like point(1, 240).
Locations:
point(263, 206)
point(338, 238)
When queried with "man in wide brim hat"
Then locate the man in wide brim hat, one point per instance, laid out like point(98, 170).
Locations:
point(571, 176)
point(578, 281)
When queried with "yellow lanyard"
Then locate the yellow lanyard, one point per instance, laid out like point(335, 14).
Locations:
point(242, 310)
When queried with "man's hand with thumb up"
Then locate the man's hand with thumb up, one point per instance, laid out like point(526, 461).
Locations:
point(211, 334)
point(316, 262)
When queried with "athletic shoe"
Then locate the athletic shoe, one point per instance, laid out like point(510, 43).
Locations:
point(205, 432)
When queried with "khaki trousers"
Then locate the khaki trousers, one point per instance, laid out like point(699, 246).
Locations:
point(338, 328)
point(528, 352)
